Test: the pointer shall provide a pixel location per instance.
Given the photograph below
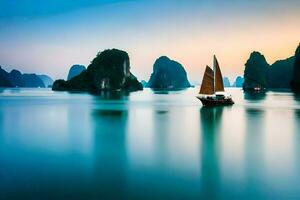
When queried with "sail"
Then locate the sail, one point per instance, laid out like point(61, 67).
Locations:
point(219, 86)
point(207, 86)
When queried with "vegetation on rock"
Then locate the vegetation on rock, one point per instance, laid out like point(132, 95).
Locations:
point(109, 70)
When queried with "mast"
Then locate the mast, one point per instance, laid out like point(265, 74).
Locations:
point(214, 68)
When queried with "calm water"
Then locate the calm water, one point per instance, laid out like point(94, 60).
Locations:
point(148, 145)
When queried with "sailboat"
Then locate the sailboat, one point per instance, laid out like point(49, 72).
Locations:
point(212, 91)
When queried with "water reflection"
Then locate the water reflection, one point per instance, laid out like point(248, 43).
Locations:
point(148, 146)
point(210, 128)
point(255, 95)
point(109, 153)
point(167, 91)
point(254, 169)
point(296, 140)
point(111, 95)
point(163, 153)
point(161, 112)
point(296, 97)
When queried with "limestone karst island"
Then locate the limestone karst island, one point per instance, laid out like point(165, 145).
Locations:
point(149, 100)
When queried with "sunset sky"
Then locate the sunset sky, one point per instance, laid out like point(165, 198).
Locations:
point(51, 35)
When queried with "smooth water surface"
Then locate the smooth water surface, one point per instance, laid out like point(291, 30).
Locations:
point(148, 145)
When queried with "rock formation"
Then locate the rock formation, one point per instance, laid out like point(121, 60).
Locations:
point(16, 79)
point(226, 82)
point(144, 83)
point(239, 81)
point(280, 74)
point(255, 72)
point(109, 70)
point(4, 79)
point(168, 74)
point(32, 80)
point(47, 80)
point(295, 83)
point(75, 70)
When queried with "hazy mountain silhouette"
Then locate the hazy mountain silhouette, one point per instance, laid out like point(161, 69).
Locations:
point(239, 81)
point(47, 80)
point(16, 79)
point(75, 70)
point(32, 80)
point(226, 82)
point(168, 74)
point(109, 70)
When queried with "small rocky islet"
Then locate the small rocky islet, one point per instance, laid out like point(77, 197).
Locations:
point(168, 74)
point(109, 71)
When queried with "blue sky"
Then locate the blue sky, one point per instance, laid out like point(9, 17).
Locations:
point(49, 36)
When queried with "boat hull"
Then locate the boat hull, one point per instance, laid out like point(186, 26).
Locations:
point(216, 102)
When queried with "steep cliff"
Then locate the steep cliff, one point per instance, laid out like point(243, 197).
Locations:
point(168, 74)
point(255, 73)
point(109, 70)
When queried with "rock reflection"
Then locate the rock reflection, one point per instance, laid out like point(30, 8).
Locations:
point(210, 169)
point(110, 153)
point(297, 97)
point(161, 112)
point(254, 166)
point(111, 95)
point(255, 95)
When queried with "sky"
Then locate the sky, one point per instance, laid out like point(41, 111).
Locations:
point(49, 36)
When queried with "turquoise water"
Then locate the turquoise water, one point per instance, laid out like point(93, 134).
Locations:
point(148, 145)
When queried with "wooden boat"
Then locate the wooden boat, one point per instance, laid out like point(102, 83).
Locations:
point(212, 91)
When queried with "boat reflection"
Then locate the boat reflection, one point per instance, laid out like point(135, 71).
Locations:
point(210, 151)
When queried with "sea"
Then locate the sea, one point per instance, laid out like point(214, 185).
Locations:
point(148, 145)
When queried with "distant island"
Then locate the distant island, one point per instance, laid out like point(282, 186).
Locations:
point(168, 74)
point(239, 81)
point(282, 74)
point(226, 82)
point(16, 79)
point(109, 71)
point(75, 70)
point(47, 80)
